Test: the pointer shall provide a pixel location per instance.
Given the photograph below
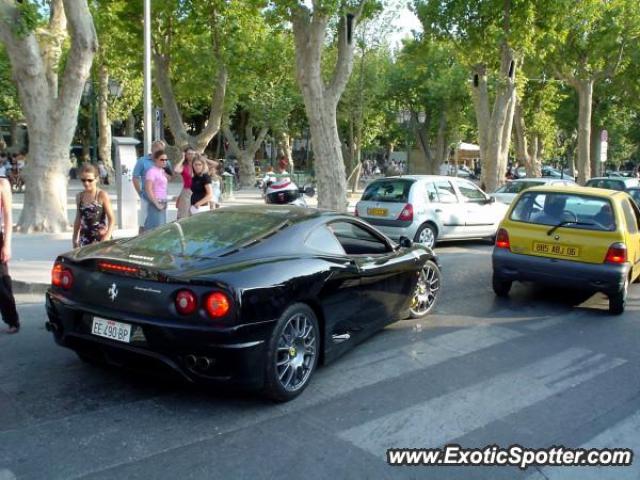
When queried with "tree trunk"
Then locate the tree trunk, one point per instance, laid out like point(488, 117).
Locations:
point(285, 143)
point(534, 167)
point(247, 155)
point(130, 127)
point(595, 152)
point(49, 97)
point(104, 125)
point(521, 143)
point(421, 131)
point(494, 128)
point(320, 99)
point(585, 96)
point(441, 144)
point(174, 115)
point(45, 187)
point(480, 95)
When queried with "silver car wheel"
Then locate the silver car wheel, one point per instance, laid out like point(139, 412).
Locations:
point(427, 237)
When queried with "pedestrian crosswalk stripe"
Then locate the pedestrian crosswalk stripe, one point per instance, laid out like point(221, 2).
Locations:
point(439, 420)
point(624, 434)
point(355, 371)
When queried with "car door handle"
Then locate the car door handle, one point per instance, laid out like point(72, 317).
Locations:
point(438, 210)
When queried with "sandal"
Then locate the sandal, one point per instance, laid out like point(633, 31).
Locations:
point(12, 329)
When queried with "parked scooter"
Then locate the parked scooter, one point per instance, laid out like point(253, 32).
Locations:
point(281, 190)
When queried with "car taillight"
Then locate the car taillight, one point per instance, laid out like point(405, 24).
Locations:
point(56, 275)
point(502, 239)
point(217, 304)
point(407, 213)
point(186, 302)
point(617, 253)
point(61, 277)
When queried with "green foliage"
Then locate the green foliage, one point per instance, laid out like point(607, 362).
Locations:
point(590, 36)
point(30, 16)
point(9, 101)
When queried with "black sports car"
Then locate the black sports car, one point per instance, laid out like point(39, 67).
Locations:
point(252, 295)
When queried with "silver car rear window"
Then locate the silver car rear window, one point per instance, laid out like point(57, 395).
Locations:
point(388, 190)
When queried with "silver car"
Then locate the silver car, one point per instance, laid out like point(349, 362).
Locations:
point(507, 192)
point(621, 184)
point(430, 208)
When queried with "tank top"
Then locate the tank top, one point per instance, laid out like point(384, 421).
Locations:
point(187, 176)
point(92, 219)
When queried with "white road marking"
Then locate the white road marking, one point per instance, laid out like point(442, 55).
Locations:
point(624, 434)
point(442, 419)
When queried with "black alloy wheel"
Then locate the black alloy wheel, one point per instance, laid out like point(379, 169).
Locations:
point(292, 353)
point(427, 290)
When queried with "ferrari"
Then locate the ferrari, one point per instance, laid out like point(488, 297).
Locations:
point(257, 296)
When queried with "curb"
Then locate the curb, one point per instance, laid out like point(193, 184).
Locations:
point(20, 287)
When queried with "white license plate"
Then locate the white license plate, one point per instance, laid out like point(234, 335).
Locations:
point(118, 331)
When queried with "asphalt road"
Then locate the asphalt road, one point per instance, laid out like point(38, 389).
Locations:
point(541, 368)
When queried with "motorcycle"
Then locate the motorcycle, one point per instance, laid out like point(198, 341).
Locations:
point(283, 191)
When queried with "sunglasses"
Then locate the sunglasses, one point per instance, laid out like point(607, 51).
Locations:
point(163, 159)
point(87, 180)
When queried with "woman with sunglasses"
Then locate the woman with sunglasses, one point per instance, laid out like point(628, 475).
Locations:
point(155, 186)
point(94, 215)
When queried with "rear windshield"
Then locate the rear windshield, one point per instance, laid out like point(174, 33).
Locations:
point(390, 190)
point(209, 234)
point(570, 210)
point(517, 187)
point(606, 183)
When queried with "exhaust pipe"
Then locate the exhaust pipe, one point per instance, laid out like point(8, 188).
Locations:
point(191, 361)
point(203, 363)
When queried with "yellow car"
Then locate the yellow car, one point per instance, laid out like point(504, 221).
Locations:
point(585, 238)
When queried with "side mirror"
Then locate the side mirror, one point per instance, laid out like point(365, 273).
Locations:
point(405, 242)
point(491, 199)
point(309, 191)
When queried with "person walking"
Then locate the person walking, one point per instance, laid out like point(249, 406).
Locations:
point(155, 187)
point(201, 187)
point(143, 165)
point(184, 168)
point(94, 216)
point(7, 300)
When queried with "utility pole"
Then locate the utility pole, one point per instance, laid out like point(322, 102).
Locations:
point(148, 119)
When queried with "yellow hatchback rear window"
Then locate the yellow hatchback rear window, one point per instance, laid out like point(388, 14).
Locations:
point(566, 210)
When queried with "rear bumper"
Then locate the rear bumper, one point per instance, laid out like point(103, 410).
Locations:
point(233, 356)
point(605, 278)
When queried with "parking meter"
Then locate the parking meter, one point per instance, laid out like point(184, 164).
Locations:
point(124, 161)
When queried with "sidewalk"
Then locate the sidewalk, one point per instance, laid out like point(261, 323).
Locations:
point(34, 254)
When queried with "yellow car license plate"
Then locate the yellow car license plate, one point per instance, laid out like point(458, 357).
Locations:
point(554, 249)
point(377, 212)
